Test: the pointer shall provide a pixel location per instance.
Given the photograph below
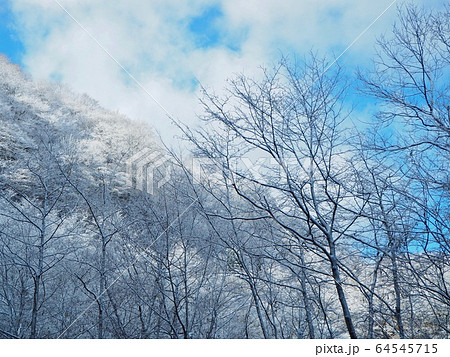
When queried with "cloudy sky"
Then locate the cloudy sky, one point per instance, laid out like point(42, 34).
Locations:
point(170, 46)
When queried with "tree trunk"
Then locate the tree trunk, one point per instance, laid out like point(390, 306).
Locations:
point(102, 289)
point(309, 320)
point(38, 277)
point(340, 290)
point(398, 309)
point(371, 295)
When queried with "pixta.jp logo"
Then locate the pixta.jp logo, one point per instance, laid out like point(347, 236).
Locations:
point(148, 169)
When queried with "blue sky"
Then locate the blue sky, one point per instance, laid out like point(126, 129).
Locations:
point(209, 30)
point(205, 28)
point(172, 45)
point(10, 43)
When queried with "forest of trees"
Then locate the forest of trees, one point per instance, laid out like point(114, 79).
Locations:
point(337, 228)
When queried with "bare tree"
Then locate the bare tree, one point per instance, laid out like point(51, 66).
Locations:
point(38, 211)
point(410, 80)
point(295, 119)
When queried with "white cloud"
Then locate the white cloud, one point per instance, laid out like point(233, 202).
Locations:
point(150, 38)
